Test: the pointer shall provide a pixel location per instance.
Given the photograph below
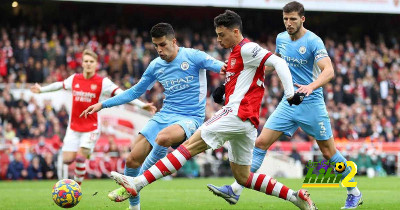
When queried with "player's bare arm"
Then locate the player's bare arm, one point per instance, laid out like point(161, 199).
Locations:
point(326, 75)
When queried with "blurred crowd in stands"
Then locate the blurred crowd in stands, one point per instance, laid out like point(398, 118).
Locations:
point(362, 99)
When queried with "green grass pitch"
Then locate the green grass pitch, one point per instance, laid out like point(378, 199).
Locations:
point(378, 193)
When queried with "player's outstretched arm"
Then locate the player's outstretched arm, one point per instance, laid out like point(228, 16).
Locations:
point(327, 73)
point(146, 106)
point(36, 88)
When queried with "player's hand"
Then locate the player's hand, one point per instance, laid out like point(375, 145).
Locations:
point(296, 99)
point(35, 88)
point(306, 89)
point(150, 108)
point(91, 109)
point(223, 68)
point(218, 94)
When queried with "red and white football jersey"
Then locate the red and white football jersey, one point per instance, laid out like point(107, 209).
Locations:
point(244, 81)
point(86, 92)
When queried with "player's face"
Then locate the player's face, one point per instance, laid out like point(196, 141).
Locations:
point(293, 22)
point(165, 47)
point(226, 37)
point(89, 64)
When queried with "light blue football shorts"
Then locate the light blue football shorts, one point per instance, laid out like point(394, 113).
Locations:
point(163, 120)
point(311, 116)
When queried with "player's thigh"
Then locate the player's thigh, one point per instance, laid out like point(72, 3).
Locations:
point(171, 135)
point(267, 138)
point(88, 141)
point(240, 172)
point(180, 130)
point(139, 151)
point(151, 130)
point(313, 118)
point(282, 119)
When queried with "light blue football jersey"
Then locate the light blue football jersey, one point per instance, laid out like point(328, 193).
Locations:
point(184, 81)
point(302, 56)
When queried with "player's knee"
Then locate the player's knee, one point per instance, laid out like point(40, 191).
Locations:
point(164, 140)
point(68, 161)
point(132, 162)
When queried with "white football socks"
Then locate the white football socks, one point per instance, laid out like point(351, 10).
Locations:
point(355, 191)
point(237, 188)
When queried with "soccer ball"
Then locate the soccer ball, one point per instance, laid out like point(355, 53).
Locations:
point(340, 167)
point(66, 193)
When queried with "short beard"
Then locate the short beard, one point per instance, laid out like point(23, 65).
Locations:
point(295, 32)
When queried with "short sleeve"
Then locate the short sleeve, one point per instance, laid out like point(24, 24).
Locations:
point(318, 49)
point(109, 88)
point(208, 62)
point(254, 55)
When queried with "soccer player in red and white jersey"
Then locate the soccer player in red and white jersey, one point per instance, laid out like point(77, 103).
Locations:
point(236, 122)
point(87, 88)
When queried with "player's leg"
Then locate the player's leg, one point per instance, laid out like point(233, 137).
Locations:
point(240, 152)
point(70, 146)
point(314, 120)
point(164, 167)
point(210, 134)
point(140, 148)
point(87, 142)
point(268, 185)
point(80, 164)
point(280, 122)
point(165, 138)
point(180, 129)
point(329, 151)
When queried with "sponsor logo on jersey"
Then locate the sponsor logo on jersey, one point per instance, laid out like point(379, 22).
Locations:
point(233, 62)
point(82, 96)
point(302, 50)
point(185, 65)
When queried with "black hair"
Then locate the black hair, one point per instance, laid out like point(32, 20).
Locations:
point(229, 19)
point(294, 6)
point(162, 29)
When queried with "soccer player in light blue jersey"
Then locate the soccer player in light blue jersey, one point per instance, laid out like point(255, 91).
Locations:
point(311, 69)
point(182, 73)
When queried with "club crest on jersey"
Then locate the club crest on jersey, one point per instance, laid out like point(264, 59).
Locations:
point(185, 65)
point(302, 50)
point(233, 62)
point(93, 87)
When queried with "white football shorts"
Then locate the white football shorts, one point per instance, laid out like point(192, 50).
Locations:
point(226, 126)
point(73, 140)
